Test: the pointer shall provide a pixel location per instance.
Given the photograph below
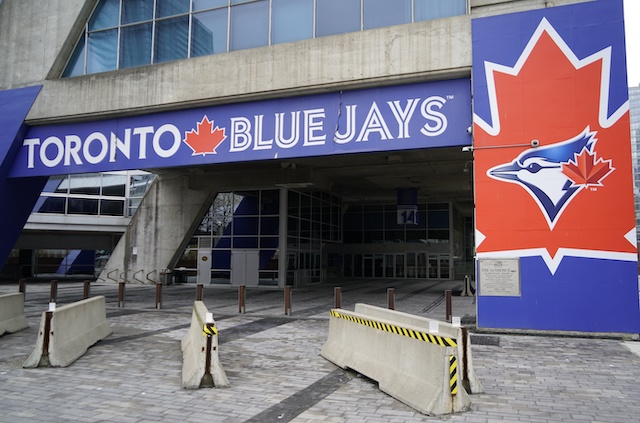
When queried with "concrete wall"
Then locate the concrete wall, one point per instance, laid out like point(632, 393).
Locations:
point(38, 36)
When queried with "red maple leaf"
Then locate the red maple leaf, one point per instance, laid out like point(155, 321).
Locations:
point(586, 170)
point(205, 139)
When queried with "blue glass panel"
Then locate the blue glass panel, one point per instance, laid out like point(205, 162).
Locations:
point(208, 4)
point(166, 8)
point(245, 242)
point(380, 13)
point(337, 17)
point(75, 66)
point(250, 25)
point(435, 9)
point(209, 32)
point(103, 47)
point(135, 48)
point(105, 15)
point(291, 20)
point(137, 11)
point(172, 39)
point(245, 226)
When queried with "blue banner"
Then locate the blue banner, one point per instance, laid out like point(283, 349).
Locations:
point(416, 116)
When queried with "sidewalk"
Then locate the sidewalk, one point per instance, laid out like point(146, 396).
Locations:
point(275, 370)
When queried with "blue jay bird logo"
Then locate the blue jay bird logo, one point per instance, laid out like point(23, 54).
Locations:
point(540, 171)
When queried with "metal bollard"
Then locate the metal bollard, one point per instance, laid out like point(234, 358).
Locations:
point(120, 294)
point(241, 299)
point(22, 286)
point(391, 299)
point(54, 291)
point(287, 301)
point(337, 296)
point(158, 296)
point(86, 290)
point(447, 297)
point(199, 291)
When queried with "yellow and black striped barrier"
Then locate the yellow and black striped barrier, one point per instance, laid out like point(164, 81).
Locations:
point(209, 329)
point(398, 330)
point(453, 374)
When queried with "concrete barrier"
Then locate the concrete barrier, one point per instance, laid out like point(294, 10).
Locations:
point(12, 317)
point(417, 364)
point(467, 374)
point(67, 332)
point(201, 366)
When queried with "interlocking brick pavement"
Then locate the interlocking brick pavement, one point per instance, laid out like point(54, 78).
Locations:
point(277, 374)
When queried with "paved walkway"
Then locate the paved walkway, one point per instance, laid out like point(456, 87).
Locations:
point(277, 374)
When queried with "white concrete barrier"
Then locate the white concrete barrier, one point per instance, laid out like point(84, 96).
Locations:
point(12, 317)
point(67, 332)
point(201, 367)
point(467, 375)
point(416, 364)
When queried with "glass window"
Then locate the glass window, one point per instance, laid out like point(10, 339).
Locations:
point(75, 66)
point(380, 13)
point(106, 15)
point(111, 208)
point(172, 39)
point(436, 9)
point(136, 46)
point(250, 25)
point(329, 22)
point(209, 32)
point(292, 20)
point(57, 184)
point(208, 4)
point(50, 205)
point(85, 184)
point(166, 8)
point(83, 206)
point(102, 53)
point(137, 11)
point(114, 185)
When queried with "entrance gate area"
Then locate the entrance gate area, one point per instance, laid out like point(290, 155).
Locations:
point(413, 265)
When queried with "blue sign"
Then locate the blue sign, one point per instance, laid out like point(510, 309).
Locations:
point(416, 116)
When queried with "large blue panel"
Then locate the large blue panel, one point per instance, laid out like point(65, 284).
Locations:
point(432, 114)
point(17, 196)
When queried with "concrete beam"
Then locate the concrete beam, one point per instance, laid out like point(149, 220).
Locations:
point(159, 231)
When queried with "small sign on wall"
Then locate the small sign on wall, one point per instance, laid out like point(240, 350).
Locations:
point(499, 277)
point(407, 215)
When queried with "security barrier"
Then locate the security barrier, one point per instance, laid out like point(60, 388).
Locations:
point(410, 358)
point(67, 332)
point(201, 367)
point(12, 317)
point(467, 374)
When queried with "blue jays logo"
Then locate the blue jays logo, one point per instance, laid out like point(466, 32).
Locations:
point(544, 172)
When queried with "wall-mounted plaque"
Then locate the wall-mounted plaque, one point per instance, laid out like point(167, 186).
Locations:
point(499, 277)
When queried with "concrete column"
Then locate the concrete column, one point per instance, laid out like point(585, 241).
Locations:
point(282, 237)
point(159, 231)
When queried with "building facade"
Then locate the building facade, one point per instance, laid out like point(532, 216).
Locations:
point(300, 142)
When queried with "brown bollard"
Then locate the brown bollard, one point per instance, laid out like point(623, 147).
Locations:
point(242, 290)
point(120, 294)
point(86, 290)
point(199, 290)
point(22, 286)
point(54, 291)
point(337, 296)
point(287, 301)
point(447, 297)
point(391, 299)
point(158, 296)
